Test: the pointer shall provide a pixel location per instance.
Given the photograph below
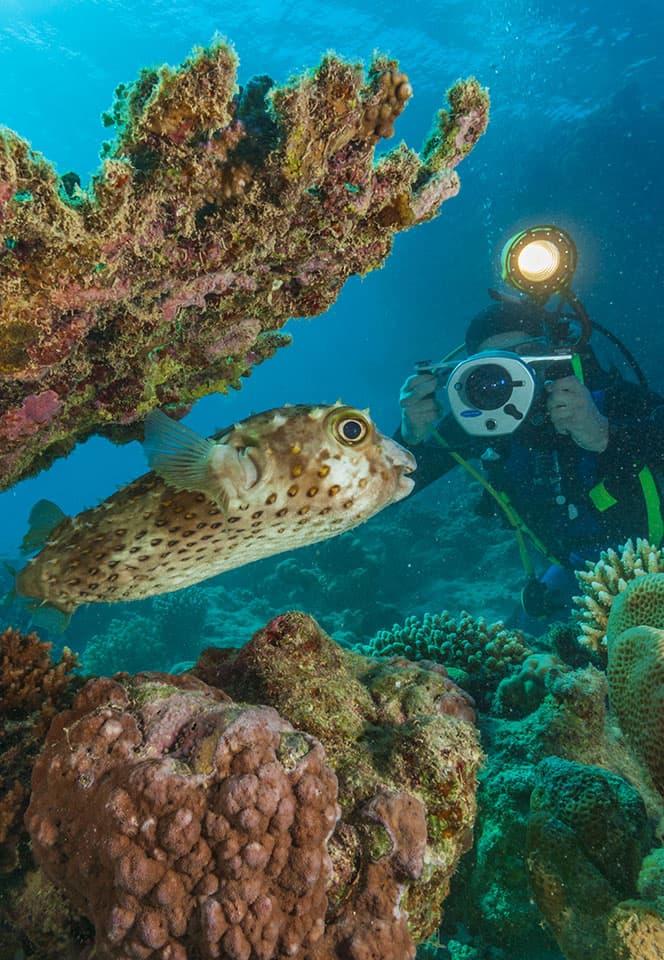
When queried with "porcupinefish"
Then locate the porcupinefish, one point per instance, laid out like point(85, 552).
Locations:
point(278, 480)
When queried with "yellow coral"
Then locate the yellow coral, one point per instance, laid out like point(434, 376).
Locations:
point(635, 671)
point(601, 582)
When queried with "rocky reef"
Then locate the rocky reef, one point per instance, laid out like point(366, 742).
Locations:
point(217, 215)
point(287, 798)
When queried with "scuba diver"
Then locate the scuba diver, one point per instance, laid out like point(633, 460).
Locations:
point(569, 452)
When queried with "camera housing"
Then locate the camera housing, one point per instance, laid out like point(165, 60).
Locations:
point(491, 392)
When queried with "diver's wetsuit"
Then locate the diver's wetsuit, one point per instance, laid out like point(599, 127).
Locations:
point(599, 499)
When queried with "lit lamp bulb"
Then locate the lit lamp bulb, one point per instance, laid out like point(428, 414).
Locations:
point(538, 261)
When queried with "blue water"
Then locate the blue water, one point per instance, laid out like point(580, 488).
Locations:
point(576, 137)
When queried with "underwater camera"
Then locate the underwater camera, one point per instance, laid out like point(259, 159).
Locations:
point(491, 393)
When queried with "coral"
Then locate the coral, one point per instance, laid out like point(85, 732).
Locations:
point(32, 690)
point(485, 652)
point(405, 757)
point(601, 583)
point(636, 932)
point(587, 834)
point(492, 896)
point(635, 669)
point(216, 216)
point(212, 818)
point(182, 822)
point(522, 692)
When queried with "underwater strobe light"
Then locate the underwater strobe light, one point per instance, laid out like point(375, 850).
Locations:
point(539, 261)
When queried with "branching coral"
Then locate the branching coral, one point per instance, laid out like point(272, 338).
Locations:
point(217, 215)
point(601, 582)
point(485, 652)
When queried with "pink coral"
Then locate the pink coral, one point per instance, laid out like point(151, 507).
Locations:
point(181, 823)
point(36, 410)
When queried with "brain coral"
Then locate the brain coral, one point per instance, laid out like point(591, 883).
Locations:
point(587, 834)
point(635, 671)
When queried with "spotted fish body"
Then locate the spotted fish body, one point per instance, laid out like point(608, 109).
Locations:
point(279, 480)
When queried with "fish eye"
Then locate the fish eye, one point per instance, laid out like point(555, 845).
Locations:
point(351, 429)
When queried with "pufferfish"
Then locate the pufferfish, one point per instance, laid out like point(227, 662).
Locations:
point(278, 480)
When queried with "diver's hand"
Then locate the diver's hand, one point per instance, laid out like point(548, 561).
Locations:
point(419, 407)
point(574, 414)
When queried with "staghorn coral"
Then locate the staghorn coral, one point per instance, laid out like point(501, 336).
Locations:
point(601, 582)
point(405, 758)
point(217, 215)
point(485, 652)
point(635, 669)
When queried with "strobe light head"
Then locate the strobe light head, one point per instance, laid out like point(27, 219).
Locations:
point(539, 261)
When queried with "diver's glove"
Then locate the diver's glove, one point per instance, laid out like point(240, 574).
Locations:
point(574, 414)
point(419, 407)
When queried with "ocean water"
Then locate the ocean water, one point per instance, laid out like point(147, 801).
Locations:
point(575, 138)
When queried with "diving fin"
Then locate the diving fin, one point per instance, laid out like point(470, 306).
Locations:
point(44, 517)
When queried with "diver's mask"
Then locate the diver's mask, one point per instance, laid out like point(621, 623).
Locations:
point(491, 392)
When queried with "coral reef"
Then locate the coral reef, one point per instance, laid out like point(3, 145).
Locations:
point(220, 829)
point(601, 583)
point(217, 215)
point(484, 652)
point(635, 670)
point(587, 835)
point(491, 896)
point(213, 819)
point(405, 755)
point(32, 690)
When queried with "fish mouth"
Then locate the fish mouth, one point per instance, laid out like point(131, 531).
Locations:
point(403, 462)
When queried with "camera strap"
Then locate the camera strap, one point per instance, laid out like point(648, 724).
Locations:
point(519, 528)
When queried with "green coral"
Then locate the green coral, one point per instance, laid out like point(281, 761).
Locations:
point(484, 652)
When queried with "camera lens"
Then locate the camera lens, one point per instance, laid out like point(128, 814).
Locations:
point(488, 387)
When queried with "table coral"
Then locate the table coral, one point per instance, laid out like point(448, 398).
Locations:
point(217, 215)
point(485, 652)
point(405, 754)
point(635, 669)
point(601, 582)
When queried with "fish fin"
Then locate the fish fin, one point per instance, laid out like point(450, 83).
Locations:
point(179, 455)
point(44, 517)
point(10, 597)
point(48, 617)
